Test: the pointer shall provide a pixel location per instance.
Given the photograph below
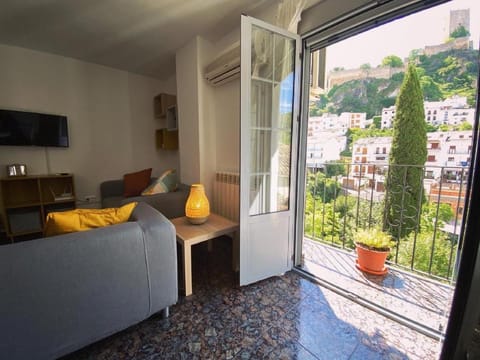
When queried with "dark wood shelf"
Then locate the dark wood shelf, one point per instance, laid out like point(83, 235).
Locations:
point(65, 201)
point(26, 200)
point(23, 205)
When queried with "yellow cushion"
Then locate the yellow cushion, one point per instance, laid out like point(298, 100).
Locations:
point(85, 219)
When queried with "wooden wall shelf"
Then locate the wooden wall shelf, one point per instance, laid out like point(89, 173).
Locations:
point(166, 139)
point(161, 103)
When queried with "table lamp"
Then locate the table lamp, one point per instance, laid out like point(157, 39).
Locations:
point(197, 207)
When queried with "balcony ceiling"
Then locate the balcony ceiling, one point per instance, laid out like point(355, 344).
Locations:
point(140, 36)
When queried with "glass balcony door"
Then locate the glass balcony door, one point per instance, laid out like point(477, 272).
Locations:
point(268, 138)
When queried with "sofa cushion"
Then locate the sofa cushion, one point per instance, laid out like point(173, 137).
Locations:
point(85, 219)
point(165, 183)
point(134, 183)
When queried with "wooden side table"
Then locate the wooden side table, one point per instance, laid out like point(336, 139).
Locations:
point(188, 235)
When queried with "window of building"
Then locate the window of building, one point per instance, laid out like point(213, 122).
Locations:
point(435, 145)
point(451, 158)
point(431, 158)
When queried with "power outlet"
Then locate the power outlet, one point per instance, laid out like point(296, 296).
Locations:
point(90, 198)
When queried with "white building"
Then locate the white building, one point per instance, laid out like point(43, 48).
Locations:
point(325, 146)
point(326, 122)
point(368, 153)
point(452, 111)
point(447, 151)
point(355, 120)
point(340, 124)
point(388, 114)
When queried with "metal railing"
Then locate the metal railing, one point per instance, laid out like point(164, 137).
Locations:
point(424, 219)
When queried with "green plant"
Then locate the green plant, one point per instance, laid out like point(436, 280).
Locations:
point(374, 239)
point(404, 183)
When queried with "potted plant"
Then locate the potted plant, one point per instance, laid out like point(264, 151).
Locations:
point(373, 247)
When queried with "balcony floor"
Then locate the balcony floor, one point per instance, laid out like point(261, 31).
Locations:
point(409, 296)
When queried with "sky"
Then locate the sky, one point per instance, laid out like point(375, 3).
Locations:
point(429, 27)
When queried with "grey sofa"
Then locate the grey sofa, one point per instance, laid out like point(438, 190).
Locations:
point(61, 293)
point(171, 204)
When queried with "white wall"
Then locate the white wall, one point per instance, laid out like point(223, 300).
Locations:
point(110, 117)
point(188, 111)
point(227, 119)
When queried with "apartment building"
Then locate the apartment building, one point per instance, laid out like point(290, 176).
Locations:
point(451, 111)
point(448, 153)
point(326, 122)
point(338, 123)
point(325, 146)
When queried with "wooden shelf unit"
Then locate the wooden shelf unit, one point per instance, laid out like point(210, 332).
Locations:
point(25, 202)
point(161, 103)
point(166, 139)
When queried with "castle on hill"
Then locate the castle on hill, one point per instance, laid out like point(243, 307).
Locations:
point(458, 18)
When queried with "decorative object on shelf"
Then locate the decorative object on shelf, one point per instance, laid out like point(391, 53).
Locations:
point(17, 170)
point(65, 195)
point(373, 247)
point(197, 208)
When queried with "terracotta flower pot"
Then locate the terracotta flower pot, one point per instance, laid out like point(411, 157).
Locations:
point(371, 261)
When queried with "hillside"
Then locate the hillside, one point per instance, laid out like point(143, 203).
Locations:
point(441, 75)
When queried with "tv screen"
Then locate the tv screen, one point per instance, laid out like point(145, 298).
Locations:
point(21, 128)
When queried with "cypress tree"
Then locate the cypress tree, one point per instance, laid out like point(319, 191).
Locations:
point(404, 183)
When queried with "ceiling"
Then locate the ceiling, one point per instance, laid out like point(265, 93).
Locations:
point(139, 36)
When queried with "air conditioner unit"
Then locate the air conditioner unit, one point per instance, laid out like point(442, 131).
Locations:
point(225, 67)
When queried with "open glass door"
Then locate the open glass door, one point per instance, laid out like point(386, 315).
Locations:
point(269, 108)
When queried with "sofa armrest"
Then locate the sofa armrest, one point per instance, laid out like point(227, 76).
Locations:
point(161, 252)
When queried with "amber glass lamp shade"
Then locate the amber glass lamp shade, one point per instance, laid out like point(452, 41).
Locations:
point(197, 208)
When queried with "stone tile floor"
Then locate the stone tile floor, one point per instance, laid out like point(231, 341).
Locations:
point(286, 317)
point(414, 297)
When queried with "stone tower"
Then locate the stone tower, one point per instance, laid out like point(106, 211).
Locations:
point(459, 18)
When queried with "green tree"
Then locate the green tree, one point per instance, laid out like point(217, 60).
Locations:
point(465, 126)
point(393, 61)
point(460, 31)
point(404, 185)
point(334, 168)
point(377, 121)
point(323, 188)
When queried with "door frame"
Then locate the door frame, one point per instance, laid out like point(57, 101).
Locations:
point(464, 310)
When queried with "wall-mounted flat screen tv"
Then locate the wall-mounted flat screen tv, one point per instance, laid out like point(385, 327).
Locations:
point(21, 128)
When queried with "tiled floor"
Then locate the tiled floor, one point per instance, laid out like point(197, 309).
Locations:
point(414, 297)
point(285, 317)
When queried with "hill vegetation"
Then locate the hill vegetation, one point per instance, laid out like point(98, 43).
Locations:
point(441, 76)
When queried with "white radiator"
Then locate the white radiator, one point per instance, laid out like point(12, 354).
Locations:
point(226, 195)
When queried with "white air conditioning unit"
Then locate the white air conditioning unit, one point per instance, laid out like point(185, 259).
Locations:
point(225, 67)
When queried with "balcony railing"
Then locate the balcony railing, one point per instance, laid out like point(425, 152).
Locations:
point(344, 197)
